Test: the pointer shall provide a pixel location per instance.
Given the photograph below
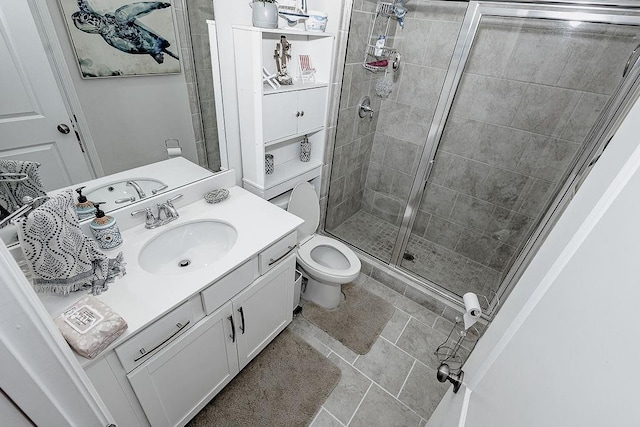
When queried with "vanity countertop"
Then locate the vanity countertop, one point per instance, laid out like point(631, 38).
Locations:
point(141, 297)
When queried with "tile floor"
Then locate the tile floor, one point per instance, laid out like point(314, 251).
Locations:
point(440, 265)
point(395, 383)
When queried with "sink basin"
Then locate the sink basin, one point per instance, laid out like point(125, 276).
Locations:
point(120, 190)
point(187, 247)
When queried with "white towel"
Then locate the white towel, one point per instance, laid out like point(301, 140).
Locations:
point(62, 258)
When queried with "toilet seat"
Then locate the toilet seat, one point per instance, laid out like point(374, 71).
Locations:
point(322, 272)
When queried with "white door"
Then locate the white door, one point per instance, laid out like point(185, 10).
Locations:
point(31, 105)
point(263, 310)
point(180, 380)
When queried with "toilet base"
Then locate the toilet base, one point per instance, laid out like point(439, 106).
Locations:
point(325, 295)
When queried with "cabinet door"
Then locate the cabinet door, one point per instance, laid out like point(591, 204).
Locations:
point(311, 104)
point(263, 310)
point(180, 380)
point(279, 115)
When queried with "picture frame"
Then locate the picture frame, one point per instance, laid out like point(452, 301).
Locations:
point(122, 38)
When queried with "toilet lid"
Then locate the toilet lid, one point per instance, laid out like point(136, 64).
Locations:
point(305, 205)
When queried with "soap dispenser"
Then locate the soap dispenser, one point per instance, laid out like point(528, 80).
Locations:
point(84, 208)
point(104, 229)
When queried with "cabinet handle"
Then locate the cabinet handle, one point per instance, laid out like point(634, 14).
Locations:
point(241, 311)
point(291, 248)
point(233, 329)
point(297, 113)
point(144, 352)
point(301, 113)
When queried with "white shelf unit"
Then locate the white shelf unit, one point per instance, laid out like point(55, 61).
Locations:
point(275, 121)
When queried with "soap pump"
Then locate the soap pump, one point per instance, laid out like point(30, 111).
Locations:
point(84, 208)
point(104, 229)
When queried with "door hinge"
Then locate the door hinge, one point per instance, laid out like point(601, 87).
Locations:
point(75, 130)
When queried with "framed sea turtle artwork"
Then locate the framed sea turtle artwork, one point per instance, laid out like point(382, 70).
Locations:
point(116, 38)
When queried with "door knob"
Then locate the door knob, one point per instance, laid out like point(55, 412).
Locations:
point(62, 128)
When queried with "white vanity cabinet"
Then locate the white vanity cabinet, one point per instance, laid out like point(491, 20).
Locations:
point(263, 310)
point(176, 383)
point(180, 378)
point(275, 120)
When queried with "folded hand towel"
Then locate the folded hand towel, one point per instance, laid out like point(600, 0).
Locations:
point(63, 259)
point(13, 192)
point(89, 326)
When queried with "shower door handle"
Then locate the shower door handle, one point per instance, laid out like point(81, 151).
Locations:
point(631, 62)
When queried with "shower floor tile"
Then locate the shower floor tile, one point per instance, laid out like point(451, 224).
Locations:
point(435, 263)
point(368, 233)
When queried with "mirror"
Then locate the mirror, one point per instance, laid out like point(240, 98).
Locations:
point(122, 124)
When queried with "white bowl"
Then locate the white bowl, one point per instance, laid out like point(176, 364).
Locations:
point(317, 21)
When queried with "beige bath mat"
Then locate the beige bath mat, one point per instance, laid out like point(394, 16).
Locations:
point(285, 385)
point(356, 322)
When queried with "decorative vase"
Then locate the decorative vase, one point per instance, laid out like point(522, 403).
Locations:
point(264, 15)
point(305, 150)
point(269, 166)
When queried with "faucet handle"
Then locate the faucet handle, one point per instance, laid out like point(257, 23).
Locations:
point(150, 220)
point(173, 199)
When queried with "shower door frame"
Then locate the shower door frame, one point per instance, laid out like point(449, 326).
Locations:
point(602, 131)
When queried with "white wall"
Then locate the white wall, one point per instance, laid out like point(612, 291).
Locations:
point(130, 117)
point(562, 350)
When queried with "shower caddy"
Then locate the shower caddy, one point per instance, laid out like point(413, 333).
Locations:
point(375, 56)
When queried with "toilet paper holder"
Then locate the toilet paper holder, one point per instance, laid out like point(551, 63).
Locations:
point(172, 147)
point(460, 340)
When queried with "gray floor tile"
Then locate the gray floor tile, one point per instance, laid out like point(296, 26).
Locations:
point(422, 314)
point(325, 419)
point(381, 409)
point(377, 288)
point(421, 341)
point(345, 398)
point(422, 392)
point(395, 326)
point(386, 364)
point(305, 330)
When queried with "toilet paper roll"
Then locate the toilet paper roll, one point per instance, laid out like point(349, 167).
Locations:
point(473, 310)
point(174, 152)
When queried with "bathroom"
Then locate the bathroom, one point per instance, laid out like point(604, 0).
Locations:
point(526, 322)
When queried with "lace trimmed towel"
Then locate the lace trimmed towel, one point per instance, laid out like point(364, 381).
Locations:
point(89, 326)
point(62, 258)
point(13, 192)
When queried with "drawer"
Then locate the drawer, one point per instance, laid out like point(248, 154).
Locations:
point(154, 337)
point(224, 289)
point(270, 256)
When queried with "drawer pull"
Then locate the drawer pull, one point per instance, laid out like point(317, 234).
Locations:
point(291, 248)
point(233, 329)
point(144, 353)
point(241, 311)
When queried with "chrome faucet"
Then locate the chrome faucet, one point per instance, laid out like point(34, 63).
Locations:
point(167, 210)
point(166, 213)
point(138, 189)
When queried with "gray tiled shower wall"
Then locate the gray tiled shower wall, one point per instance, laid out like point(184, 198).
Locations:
point(353, 135)
point(196, 62)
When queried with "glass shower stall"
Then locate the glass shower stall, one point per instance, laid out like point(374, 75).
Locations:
point(497, 112)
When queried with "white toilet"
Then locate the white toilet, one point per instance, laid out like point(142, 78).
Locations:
point(326, 262)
